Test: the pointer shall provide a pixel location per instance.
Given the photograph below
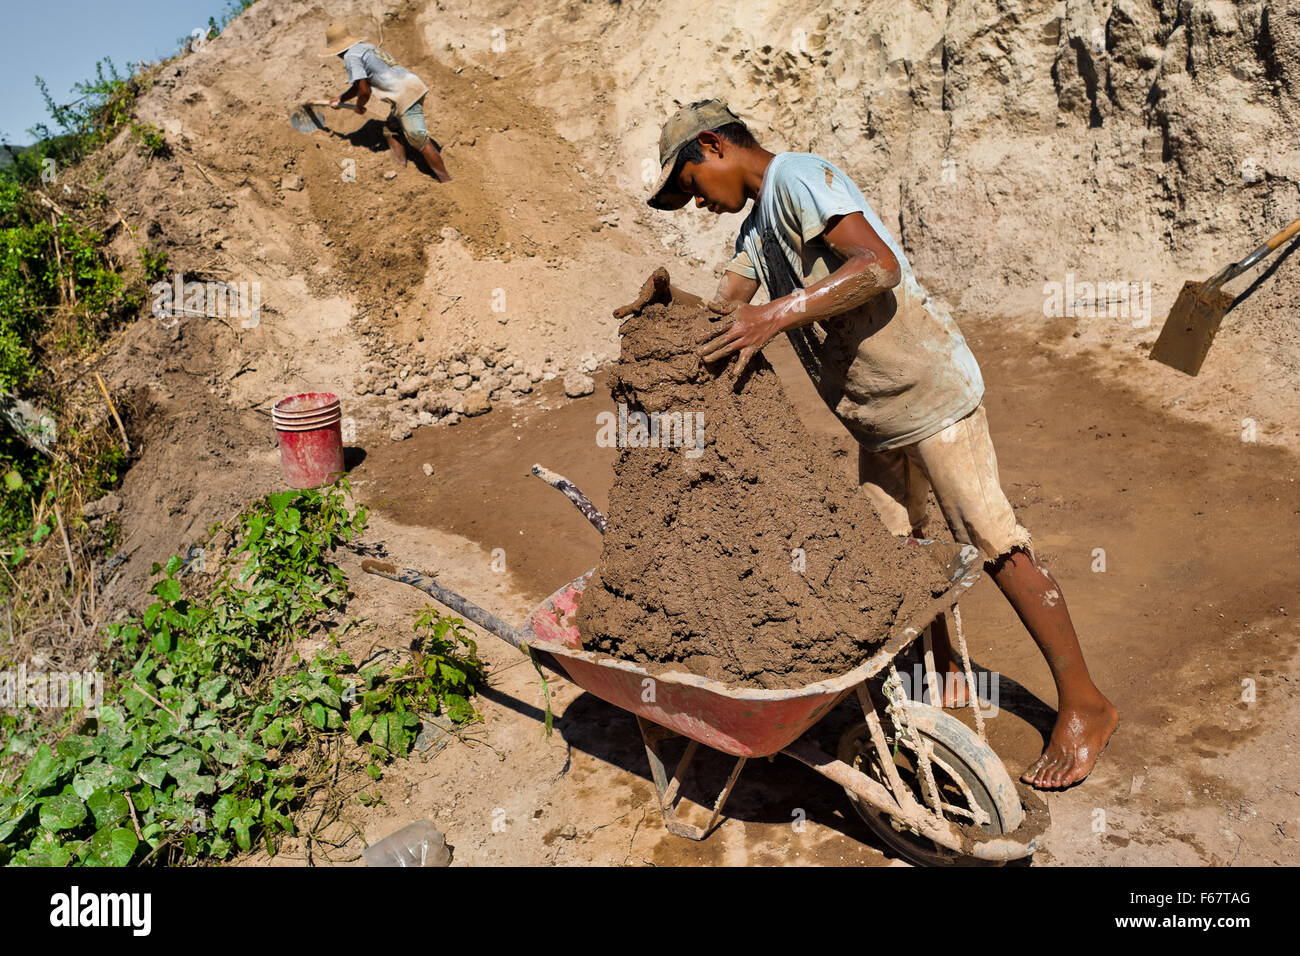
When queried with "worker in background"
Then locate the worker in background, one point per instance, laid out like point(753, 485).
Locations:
point(373, 72)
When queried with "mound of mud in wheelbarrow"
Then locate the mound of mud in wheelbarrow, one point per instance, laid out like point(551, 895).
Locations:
point(734, 548)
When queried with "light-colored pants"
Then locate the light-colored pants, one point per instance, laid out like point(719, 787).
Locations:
point(960, 465)
point(410, 124)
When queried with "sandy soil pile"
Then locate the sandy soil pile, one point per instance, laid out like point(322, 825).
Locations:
point(735, 548)
point(418, 304)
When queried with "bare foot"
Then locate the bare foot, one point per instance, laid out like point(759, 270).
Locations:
point(1078, 739)
point(954, 689)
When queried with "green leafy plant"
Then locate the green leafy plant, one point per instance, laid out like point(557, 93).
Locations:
point(150, 140)
point(154, 265)
point(179, 760)
point(446, 660)
point(102, 106)
point(61, 288)
point(440, 678)
point(199, 750)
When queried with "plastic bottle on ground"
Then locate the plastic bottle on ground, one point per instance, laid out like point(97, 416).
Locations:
point(417, 844)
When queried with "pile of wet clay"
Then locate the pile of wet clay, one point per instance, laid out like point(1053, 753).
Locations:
point(734, 549)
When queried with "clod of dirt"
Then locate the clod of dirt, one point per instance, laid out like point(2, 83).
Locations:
point(733, 548)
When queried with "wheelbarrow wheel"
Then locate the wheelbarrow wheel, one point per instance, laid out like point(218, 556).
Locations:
point(960, 757)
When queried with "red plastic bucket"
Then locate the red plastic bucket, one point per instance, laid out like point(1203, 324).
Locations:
point(310, 430)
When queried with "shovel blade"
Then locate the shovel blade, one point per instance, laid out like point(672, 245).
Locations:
point(305, 119)
point(1189, 331)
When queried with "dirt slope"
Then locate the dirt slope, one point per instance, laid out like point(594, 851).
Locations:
point(362, 280)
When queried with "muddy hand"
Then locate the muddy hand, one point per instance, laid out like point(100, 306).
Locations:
point(655, 289)
point(745, 334)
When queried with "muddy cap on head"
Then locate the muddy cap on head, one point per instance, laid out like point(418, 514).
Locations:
point(684, 125)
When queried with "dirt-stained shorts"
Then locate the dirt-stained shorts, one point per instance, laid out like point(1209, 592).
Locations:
point(410, 124)
point(960, 465)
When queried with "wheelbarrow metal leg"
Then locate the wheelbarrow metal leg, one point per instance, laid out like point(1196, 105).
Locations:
point(971, 695)
point(933, 680)
point(668, 789)
point(670, 795)
point(883, 753)
point(726, 792)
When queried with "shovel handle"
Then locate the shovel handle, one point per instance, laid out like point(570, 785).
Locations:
point(1284, 235)
point(353, 106)
point(1269, 245)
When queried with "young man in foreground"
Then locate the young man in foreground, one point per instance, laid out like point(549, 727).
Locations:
point(892, 366)
point(373, 71)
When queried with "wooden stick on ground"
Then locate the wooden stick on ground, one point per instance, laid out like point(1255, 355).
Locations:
point(67, 548)
point(134, 819)
point(155, 700)
point(47, 201)
point(126, 444)
point(58, 257)
point(204, 172)
point(125, 224)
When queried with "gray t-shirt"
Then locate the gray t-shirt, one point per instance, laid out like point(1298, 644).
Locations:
point(895, 370)
point(393, 84)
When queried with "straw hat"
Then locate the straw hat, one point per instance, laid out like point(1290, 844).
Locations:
point(338, 39)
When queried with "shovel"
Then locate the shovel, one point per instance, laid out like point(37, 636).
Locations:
point(308, 117)
point(1189, 331)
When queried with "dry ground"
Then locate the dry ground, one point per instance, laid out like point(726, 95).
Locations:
point(1197, 597)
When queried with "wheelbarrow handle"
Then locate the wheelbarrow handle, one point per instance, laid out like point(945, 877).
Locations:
point(571, 491)
point(462, 606)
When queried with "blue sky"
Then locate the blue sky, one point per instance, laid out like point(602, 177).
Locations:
point(61, 39)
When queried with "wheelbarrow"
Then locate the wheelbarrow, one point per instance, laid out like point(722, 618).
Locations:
point(931, 788)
